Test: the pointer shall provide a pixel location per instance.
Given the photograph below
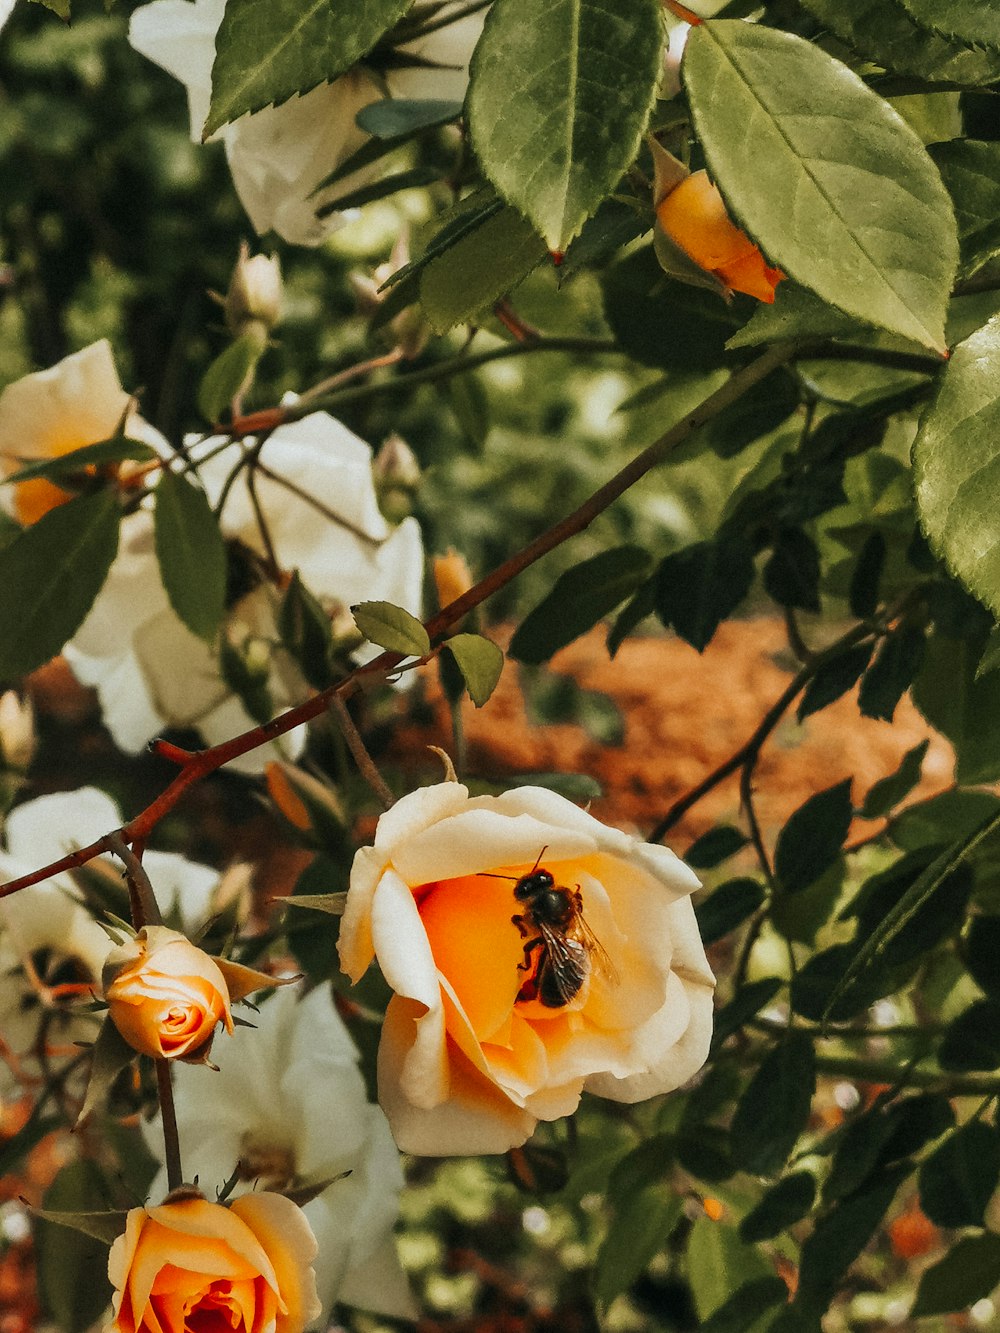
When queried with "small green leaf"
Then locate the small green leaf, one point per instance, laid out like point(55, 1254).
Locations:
point(580, 787)
point(639, 1229)
point(391, 627)
point(971, 172)
point(747, 1001)
point(192, 554)
point(332, 904)
point(784, 1204)
point(579, 599)
point(813, 837)
point(714, 847)
point(846, 159)
point(888, 792)
point(834, 678)
point(110, 1054)
point(306, 632)
point(480, 662)
point(559, 95)
point(863, 596)
point(229, 375)
point(972, 1040)
point(893, 670)
point(91, 455)
point(746, 1305)
point(774, 1109)
point(718, 1263)
point(958, 1179)
point(699, 586)
point(967, 1273)
point(400, 117)
point(50, 575)
point(791, 574)
point(727, 907)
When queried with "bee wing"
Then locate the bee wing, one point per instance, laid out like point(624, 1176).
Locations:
point(567, 958)
point(599, 956)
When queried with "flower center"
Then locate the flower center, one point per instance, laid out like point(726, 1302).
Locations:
point(272, 1164)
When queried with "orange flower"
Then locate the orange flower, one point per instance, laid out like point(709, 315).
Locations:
point(190, 1264)
point(165, 995)
point(509, 1004)
point(694, 216)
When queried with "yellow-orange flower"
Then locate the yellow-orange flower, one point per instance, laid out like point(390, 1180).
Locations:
point(165, 996)
point(189, 1264)
point(694, 216)
point(477, 1046)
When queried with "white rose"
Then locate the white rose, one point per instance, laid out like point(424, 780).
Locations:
point(472, 1054)
point(279, 155)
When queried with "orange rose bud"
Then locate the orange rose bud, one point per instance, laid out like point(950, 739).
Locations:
point(694, 216)
point(190, 1264)
point(166, 996)
point(452, 576)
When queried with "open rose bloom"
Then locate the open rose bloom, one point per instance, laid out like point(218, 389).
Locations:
point(191, 1264)
point(470, 1059)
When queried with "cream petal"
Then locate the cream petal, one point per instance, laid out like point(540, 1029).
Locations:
point(404, 954)
point(180, 38)
point(416, 811)
point(289, 1243)
point(354, 943)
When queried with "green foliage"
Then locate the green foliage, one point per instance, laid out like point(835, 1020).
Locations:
point(967, 1273)
point(813, 837)
point(480, 661)
point(391, 627)
point(191, 553)
point(774, 1109)
point(478, 268)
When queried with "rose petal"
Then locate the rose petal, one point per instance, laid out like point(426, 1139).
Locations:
point(286, 1237)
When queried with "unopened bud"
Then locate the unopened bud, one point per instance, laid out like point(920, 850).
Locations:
point(408, 331)
point(17, 731)
point(452, 576)
point(255, 293)
point(397, 476)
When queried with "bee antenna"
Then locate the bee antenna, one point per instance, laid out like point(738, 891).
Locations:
point(486, 874)
point(538, 858)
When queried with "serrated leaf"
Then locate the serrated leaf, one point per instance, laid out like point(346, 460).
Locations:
point(974, 21)
point(727, 907)
point(795, 313)
point(699, 586)
point(391, 627)
point(888, 792)
point(50, 575)
point(399, 117)
point(488, 259)
point(579, 599)
point(956, 458)
point(269, 50)
point(480, 662)
point(958, 1179)
point(873, 230)
point(971, 173)
point(91, 455)
point(191, 554)
point(229, 375)
point(774, 1109)
point(585, 75)
point(813, 837)
point(967, 1273)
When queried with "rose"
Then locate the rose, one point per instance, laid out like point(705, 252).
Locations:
point(470, 1057)
point(263, 1120)
point(693, 214)
point(188, 1263)
point(165, 996)
point(280, 155)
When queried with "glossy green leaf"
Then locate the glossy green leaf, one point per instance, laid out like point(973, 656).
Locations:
point(784, 1204)
point(967, 1273)
point(747, 1001)
point(391, 627)
point(719, 1262)
point(971, 172)
point(974, 21)
point(559, 95)
point(958, 1179)
point(269, 50)
point(700, 585)
point(191, 553)
point(774, 1109)
point(871, 230)
point(727, 907)
point(796, 313)
point(813, 837)
point(229, 375)
point(891, 673)
point(399, 117)
point(888, 792)
point(50, 575)
point(834, 678)
point(579, 598)
point(480, 662)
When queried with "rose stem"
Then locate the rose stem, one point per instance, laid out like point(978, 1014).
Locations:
point(171, 1140)
point(359, 750)
point(142, 900)
point(203, 762)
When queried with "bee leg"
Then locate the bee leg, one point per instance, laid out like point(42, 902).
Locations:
point(521, 924)
point(578, 899)
point(528, 964)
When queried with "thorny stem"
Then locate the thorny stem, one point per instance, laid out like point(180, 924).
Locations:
point(203, 762)
point(142, 900)
point(171, 1139)
point(359, 750)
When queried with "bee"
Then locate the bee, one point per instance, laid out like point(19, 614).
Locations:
point(560, 947)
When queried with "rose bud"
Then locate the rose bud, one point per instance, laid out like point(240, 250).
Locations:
point(255, 293)
point(191, 1264)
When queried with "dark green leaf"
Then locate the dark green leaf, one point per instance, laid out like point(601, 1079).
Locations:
point(755, 413)
point(747, 1001)
point(632, 614)
point(703, 1152)
point(380, 189)
point(714, 847)
point(796, 313)
point(791, 574)
point(958, 1179)
point(50, 575)
point(191, 553)
point(942, 818)
point(648, 1164)
point(782, 1206)
point(579, 599)
point(72, 1263)
point(834, 678)
point(971, 171)
point(110, 1054)
point(863, 595)
point(699, 586)
point(480, 662)
point(935, 919)
point(819, 979)
point(638, 1231)
point(844, 156)
point(892, 672)
point(813, 837)
point(774, 1109)
point(229, 375)
point(859, 1149)
point(467, 398)
point(967, 710)
point(967, 1273)
point(719, 1262)
point(746, 1305)
point(888, 792)
point(727, 907)
point(77, 460)
point(566, 59)
point(331, 904)
point(305, 632)
point(841, 1235)
point(391, 627)
point(982, 953)
point(972, 1040)
point(399, 117)
point(268, 50)
point(971, 21)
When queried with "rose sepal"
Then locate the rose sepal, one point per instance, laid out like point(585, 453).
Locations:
point(111, 1053)
point(105, 1227)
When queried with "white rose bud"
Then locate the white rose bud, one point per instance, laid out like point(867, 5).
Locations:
point(17, 730)
point(397, 476)
point(255, 293)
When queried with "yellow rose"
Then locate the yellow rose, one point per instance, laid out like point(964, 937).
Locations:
point(165, 995)
point(190, 1264)
point(513, 995)
point(694, 216)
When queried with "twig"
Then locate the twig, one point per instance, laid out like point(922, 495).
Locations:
point(142, 900)
point(359, 750)
point(171, 1139)
point(351, 373)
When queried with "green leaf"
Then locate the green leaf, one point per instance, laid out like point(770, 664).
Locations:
point(638, 1231)
point(480, 662)
point(73, 1264)
point(956, 459)
point(813, 837)
point(895, 38)
point(967, 710)
point(958, 1179)
point(703, 1152)
point(714, 847)
point(982, 953)
point(391, 627)
point(559, 95)
point(719, 1262)
point(967, 1273)
point(892, 672)
point(399, 117)
point(483, 264)
point(863, 596)
point(747, 1001)
point(229, 375)
point(791, 574)
point(834, 678)
point(774, 1109)
point(699, 586)
point(192, 554)
point(796, 313)
point(976, 22)
point(841, 1235)
point(331, 904)
point(874, 232)
point(77, 460)
point(468, 400)
point(109, 1056)
point(746, 1305)
point(971, 172)
point(972, 1040)
point(380, 189)
point(306, 632)
point(784, 1204)
point(268, 50)
point(579, 599)
point(50, 575)
point(727, 907)
point(888, 792)
point(990, 659)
